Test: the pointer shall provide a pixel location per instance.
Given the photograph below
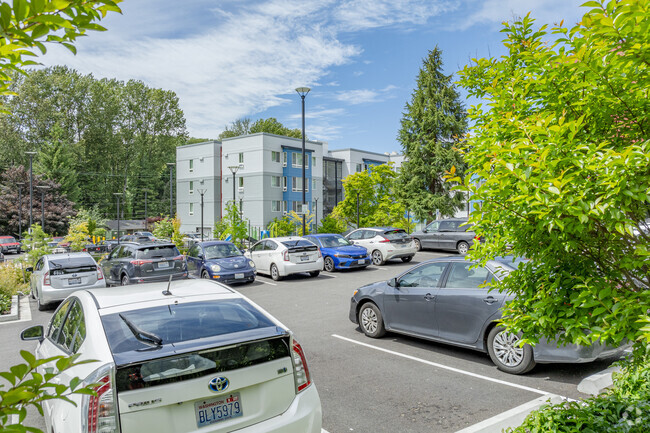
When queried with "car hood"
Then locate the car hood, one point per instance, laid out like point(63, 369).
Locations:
point(372, 288)
point(230, 263)
point(347, 249)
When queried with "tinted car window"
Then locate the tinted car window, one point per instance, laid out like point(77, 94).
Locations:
point(7, 241)
point(297, 243)
point(333, 241)
point(258, 247)
point(221, 251)
point(446, 226)
point(126, 253)
point(155, 252)
point(356, 235)
point(462, 277)
point(194, 251)
point(427, 275)
point(70, 265)
point(39, 264)
point(395, 234)
point(57, 321)
point(369, 234)
point(433, 227)
point(270, 246)
point(182, 322)
point(73, 331)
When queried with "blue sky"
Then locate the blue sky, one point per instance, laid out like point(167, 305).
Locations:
point(230, 59)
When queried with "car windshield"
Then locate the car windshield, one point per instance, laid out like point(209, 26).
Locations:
point(333, 241)
point(7, 241)
point(177, 323)
point(158, 252)
point(395, 234)
point(221, 251)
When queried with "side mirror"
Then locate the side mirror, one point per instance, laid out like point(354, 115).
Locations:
point(200, 256)
point(29, 269)
point(33, 333)
point(352, 242)
point(393, 282)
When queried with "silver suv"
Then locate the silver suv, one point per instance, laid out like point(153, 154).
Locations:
point(446, 234)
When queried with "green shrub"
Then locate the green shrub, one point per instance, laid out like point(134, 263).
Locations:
point(5, 303)
point(625, 408)
point(11, 279)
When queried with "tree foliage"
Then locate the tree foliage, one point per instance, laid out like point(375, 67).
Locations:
point(432, 126)
point(271, 125)
point(57, 206)
point(95, 137)
point(31, 24)
point(234, 225)
point(329, 224)
point(560, 161)
point(377, 205)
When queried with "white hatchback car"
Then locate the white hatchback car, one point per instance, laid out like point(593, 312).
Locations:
point(284, 256)
point(55, 276)
point(190, 356)
point(384, 243)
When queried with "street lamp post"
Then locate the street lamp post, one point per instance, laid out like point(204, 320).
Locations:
point(171, 189)
point(20, 209)
point(117, 196)
point(233, 169)
point(316, 213)
point(302, 91)
point(357, 209)
point(43, 188)
point(201, 191)
point(31, 187)
point(146, 225)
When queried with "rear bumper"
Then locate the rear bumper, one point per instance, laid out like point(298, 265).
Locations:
point(295, 268)
point(303, 416)
point(230, 277)
point(157, 278)
point(49, 294)
point(546, 352)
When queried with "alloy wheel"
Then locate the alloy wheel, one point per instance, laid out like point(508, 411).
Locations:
point(369, 320)
point(507, 350)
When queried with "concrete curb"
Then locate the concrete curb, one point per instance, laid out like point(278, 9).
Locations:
point(597, 383)
point(13, 315)
point(513, 417)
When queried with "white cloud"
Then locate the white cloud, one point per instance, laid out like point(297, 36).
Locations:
point(497, 11)
point(239, 58)
point(364, 96)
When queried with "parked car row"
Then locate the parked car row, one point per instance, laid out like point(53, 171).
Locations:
point(9, 244)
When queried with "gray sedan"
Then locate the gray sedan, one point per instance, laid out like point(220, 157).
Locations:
point(448, 300)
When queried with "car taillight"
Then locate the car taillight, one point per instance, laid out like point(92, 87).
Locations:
point(286, 256)
point(383, 241)
point(46, 279)
point(100, 274)
point(319, 253)
point(140, 262)
point(99, 412)
point(300, 369)
point(177, 258)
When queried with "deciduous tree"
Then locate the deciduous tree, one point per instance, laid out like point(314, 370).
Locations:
point(560, 161)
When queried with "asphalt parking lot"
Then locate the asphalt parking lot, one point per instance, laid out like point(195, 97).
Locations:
point(391, 384)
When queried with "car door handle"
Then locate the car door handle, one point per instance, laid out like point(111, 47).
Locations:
point(490, 300)
point(429, 297)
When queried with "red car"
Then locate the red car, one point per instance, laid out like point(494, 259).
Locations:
point(9, 244)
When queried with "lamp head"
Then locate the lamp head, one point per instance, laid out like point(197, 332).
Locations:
point(302, 91)
point(233, 168)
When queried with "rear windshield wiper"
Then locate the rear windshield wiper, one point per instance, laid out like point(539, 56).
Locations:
point(142, 335)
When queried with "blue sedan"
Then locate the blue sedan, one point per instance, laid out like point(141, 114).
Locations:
point(339, 253)
point(221, 261)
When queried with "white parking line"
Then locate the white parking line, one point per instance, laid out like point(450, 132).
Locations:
point(455, 370)
point(265, 282)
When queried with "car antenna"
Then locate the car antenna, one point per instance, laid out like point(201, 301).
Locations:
point(166, 292)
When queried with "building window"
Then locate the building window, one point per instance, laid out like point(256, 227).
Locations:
point(358, 168)
point(296, 160)
point(241, 183)
point(313, 161)
point(284, 183)
point(284, 206)
point(276, 181)
point(313, 185)
point(299, 207)
point(276, 206)
point(366, 166)
point(191, 187)
point(275, 156)
point(191, 208)
point(241, 158)
point(284, 159)
point(191, 165)
point(296, 184)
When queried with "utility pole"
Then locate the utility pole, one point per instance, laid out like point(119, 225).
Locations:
point(117, 196)
point(201, 191)
point(43, 188)
point(316, 213)
point(357, 209)
point(31, 188)
point(146, 225)
point(20, 209)
point(171, 189)
point(302, 91)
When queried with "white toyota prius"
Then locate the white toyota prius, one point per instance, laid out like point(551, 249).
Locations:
point(188, 356)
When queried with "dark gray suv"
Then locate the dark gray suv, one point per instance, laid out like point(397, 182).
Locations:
point(131, 263)
point(446, 234)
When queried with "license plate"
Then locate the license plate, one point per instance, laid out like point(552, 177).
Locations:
point(239, 276)
point(361, 262)
point(304, 258)
point(163, 265)
point(72, 281)
point(217, 409)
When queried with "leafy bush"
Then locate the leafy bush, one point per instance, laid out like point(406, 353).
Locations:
point(5, 303)
point(625, 408)
point(329, 224)
point(11, 279)
point(281, 227)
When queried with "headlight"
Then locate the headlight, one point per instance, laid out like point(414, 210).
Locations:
point(215, 268)
point(355, 293)
point(251, 263)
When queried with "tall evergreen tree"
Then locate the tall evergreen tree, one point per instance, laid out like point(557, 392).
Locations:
point(432, 126)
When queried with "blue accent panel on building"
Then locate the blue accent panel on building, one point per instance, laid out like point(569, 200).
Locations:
point(371, 163)
point(290, 196)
